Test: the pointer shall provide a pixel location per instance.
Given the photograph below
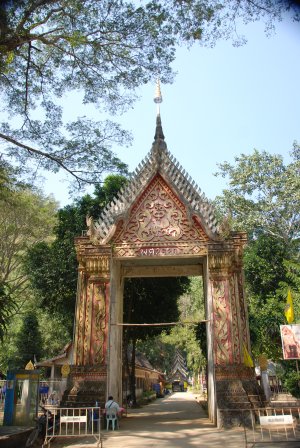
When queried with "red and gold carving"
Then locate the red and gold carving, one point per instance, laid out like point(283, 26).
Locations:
point(80, 330)
point(243, 312)
point(87, 325)
point(98, 266)
point(221, 324)
point(159, 217)
point(236, 344)
point(99, 324)
point(90, 338)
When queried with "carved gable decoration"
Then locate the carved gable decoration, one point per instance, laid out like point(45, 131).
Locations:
point(160, 206)
point(159, 220)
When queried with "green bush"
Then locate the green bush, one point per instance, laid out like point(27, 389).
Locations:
point(292, 383)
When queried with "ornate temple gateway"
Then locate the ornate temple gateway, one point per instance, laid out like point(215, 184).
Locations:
point(160, 225)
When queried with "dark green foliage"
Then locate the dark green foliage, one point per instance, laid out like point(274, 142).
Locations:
point(28, 341)
point(148, 300)
point(7, 307)
point(53, 267)
point(191, 339)
point(264, 265)
point(292, 383)
point(26, 218)
point(151, 300)
point(265, 319)
point(104, 49)
point(200, 332)
point(267, 279)
point(159, 354)
point(53, 274)
point(263, 198)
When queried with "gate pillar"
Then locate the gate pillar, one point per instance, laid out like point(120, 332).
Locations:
point(235, 383)
point(114, 358)
point(88, 376)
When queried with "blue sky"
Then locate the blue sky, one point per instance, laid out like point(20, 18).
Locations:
point(224, 101)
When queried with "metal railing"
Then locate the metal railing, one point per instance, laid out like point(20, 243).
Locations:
point(270, 425)
point(73, 422)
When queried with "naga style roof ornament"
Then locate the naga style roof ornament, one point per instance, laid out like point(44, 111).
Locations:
point(158, 161)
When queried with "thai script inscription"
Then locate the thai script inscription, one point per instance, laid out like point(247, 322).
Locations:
point(152, 251)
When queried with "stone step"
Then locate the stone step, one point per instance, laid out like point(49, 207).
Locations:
point(284, 397)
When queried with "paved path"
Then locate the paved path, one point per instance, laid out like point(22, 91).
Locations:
point(176, 421)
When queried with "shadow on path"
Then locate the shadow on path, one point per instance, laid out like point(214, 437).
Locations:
point(176, 421)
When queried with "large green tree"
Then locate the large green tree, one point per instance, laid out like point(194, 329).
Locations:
point(28, 341)
point(103, 49)
point(263, 194)
point(263, 198)
point(52, 266)
point(27, 217)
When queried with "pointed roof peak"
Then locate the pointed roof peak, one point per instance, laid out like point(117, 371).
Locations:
point(158, 100)
point(159, 143)
point(159, 160)
point(159, 135)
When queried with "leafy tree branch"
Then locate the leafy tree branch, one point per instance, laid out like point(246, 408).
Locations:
point(105, 49)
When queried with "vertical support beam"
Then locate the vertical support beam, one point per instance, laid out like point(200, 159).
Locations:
point(76, 318)
point(88, 323)
point(90, 333)
point(212, 405)
point(235, 383)
point(99, 322)
point(79, 330)
point(114, 373)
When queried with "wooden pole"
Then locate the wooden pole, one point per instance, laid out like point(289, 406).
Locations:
point(161, 324)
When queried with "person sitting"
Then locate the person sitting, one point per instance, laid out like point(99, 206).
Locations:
point(111, 404)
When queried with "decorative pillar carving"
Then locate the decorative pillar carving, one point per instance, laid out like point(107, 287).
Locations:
point(92, 309)
point(88, 376)
point(230, 320)
point(235, 383)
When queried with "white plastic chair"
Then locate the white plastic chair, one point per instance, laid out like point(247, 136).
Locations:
point(111, 417)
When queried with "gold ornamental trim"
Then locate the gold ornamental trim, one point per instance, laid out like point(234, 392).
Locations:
point(65, 370)
point(95, 265)
point(29, 366)
point(263, 362)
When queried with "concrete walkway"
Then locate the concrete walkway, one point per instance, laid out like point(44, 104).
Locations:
point(176, 421)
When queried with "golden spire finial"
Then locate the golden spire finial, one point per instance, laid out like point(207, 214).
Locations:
point(158, 97)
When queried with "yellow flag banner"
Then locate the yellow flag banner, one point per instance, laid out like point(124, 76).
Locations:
point(247, 358)
point(289, 308)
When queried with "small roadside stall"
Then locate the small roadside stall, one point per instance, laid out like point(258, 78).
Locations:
point(52, 388)
point(21, 398)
